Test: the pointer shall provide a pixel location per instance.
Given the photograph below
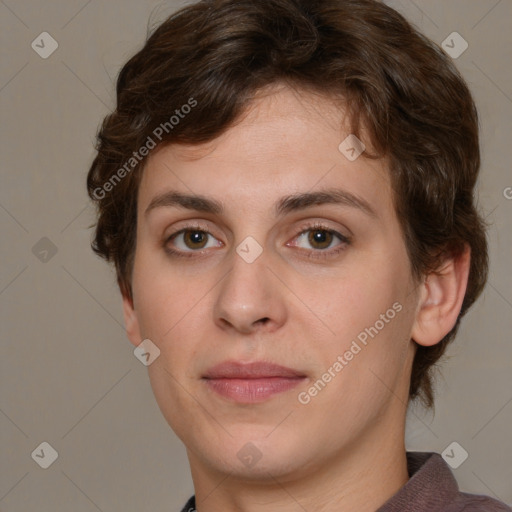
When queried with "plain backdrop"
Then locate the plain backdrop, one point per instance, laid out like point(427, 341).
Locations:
point(68, 373)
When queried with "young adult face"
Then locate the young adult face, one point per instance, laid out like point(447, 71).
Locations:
point(300, 304)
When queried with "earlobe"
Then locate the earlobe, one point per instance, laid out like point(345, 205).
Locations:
point(441, 299)
point(131, 321)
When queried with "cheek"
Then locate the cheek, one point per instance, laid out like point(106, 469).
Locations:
point(171, 313)
point(163, 297)
point(369, 313)
point(350, 305)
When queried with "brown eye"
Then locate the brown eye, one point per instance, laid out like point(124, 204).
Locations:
point(320, 238)
point(189, 241)
point(320, 242)
point(195, 239)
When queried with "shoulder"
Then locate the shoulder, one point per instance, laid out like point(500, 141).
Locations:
point(433, 487)
point(465, 502)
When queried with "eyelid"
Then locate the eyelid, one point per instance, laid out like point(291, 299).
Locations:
point(193, 226)
point(320, 226)
point(322, 254)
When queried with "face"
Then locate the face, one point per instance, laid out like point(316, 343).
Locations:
point(283, 317)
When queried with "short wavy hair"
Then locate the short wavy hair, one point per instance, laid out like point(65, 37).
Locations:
point(399, 86)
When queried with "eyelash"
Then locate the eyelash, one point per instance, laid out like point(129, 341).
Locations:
point(312, 254)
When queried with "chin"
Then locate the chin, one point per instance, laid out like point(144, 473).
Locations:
point(253, 454)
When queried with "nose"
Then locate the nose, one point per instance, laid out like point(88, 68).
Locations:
point(250, 298)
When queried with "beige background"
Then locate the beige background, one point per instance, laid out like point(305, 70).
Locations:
point(68, 374)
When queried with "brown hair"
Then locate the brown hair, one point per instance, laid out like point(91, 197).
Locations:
point(216, 54)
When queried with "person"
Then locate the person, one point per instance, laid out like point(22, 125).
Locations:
point(285, 189)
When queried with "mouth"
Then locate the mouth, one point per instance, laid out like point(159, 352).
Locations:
point(251, 382)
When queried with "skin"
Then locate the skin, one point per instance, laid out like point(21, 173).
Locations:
point(344, 450)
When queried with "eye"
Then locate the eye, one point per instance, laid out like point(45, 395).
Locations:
point(190, 239)
point(320, 238)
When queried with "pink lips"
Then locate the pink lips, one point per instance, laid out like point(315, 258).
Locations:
point(251, 382)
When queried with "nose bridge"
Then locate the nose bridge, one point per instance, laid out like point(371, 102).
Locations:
point(248, 294)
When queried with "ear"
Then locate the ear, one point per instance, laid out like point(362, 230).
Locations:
point(441, 298)
point(131, 321)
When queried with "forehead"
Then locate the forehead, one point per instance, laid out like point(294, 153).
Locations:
point(276, 108)
point(286, 142)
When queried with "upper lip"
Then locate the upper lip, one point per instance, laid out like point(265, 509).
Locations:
point(255, 370)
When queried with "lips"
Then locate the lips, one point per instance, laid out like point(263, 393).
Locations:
point(251, 382)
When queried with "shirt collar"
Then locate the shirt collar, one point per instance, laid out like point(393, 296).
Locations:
point(430, 486)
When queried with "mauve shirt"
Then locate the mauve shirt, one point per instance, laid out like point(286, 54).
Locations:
point(431, 488)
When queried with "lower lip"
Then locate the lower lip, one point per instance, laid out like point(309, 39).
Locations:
point(250, 391)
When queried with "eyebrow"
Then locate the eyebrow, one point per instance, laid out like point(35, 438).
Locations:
point(287, 204)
